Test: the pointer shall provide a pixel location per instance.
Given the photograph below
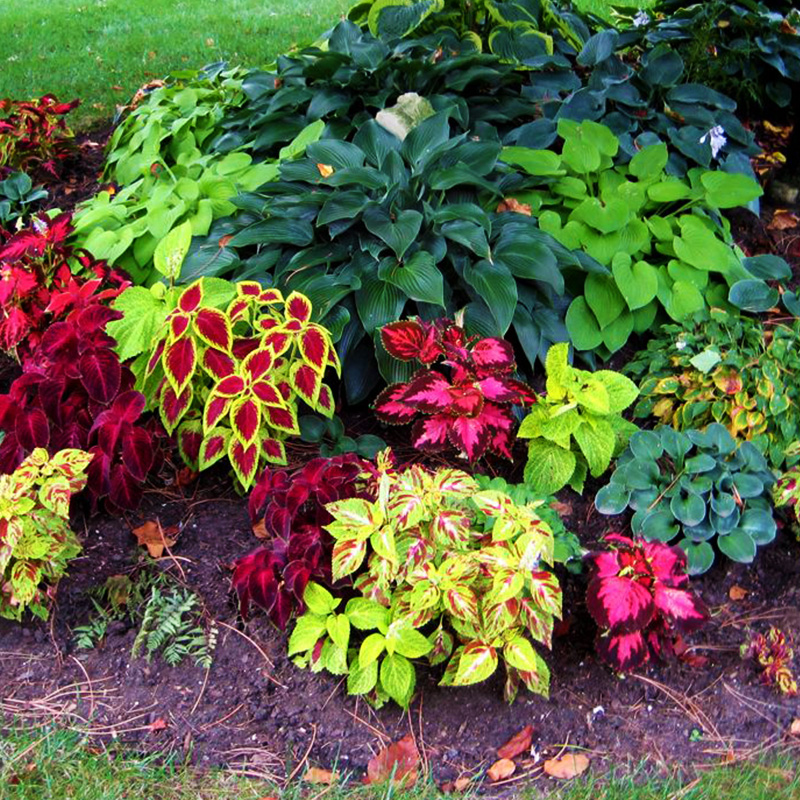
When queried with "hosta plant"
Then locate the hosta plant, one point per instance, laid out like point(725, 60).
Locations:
point(663, 245)
point(639, 596)
point(435, 580)
point(700, 486)
point(228, 382)
point(18, 197)
point(577, 427)
point(738, 371)
point(74, 392)
point(463, 393)
point(36, 542)
point(37, 285)
point(288, 512)
point(34, 136)
point(774, 655)
point(329, 434)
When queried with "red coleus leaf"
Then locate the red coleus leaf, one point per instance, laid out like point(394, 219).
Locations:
point(274, 450)
point(623, 651)
point(213, 327)
point(125, 491)
point(178, 323)
point(32, 429)
point(306, 382)
point(668, 564)
point(298, 307)
point(390, 406)
point(270, 296)
point(180, 361)
point(282, 418)
point(190, 438)
point(212, 449)
point(101, 373)
point(277, 341)
point(244, 460)
point(258, 364)
point(493, 354)
point(245, 419)
point(231, 386)
point(173, 406)
point(429, 391)
point(406, 340)
point(621, 604)
point(215, 409)
point(682, 609)
point(498, 390)
point(314, 348)
point(191, 298)
point(218, 364)
point(137, 453)
point(465, 401)
point(155, 358)
point(237, 309)
point(267, 393)
point(431, 433)
point(325, 403)
point(128, 406)
point(469, 435)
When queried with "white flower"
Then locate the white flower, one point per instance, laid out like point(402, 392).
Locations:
point(640, 19)
point(717, 139)
point(680, 344)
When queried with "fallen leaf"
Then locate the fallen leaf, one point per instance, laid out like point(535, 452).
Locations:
point(783, 220)
point(117, 88)
point(461, 784)
point(501, 769)
point(185, 476)
point(260, 530)
point(794, 728)
point(518, 744)
point(562, 509)
point(737, 592)
point(209, 42)
point(326, 170)
point(155, 538)
point(223, 242)
point(398, 761)
point(567, 766)
point(317, 775)
point(512, 204)
point(158, 725)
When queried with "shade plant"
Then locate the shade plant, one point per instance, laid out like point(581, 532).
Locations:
point(463, 393)
point(18, 196)
point(734, 370)
point(36, 543)
point(701, 486)
point(227, 381)
point(773, 654)
point(639, 596)
point(577, 427)
point(432, 581)
point(288, 512)
point(664, 247)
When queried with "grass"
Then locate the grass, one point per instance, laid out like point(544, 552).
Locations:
point(54, 764)
point(102, 50)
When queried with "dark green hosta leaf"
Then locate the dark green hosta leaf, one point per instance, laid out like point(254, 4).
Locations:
point(759, 524)
point(424, 139)
point(285, 230)
point(767, 267)
point(738, 545)
point(689, 509)
point(659, 526)
point(378, 303)
point(397, 233)
point(698, 93)
point(529, 259)
point(418, 277)
point(470, 234)
point(342, 205)
point(753, 295)
point(646, 445)
point(748, 485)
point(336, 153)
point(702, 462)
point(699, 556)
point(612, 499)
point(495, 284)
point(598, 48)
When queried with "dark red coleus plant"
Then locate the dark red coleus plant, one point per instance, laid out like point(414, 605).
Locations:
point(463, 394)
point(289, 509)
point(75, 393)
point(34, 136)
point(640, 598)
point(37, 285)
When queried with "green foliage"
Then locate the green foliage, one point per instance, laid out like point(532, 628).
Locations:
point(786, 492)
point(18, 197)
point(170, 626)
point(744, 49)
point(567, 549)
point(36, 542)
point(661, 240)
point(737, 371)
point(172, 119)
point(700, 485)
point(576, 428)
point(445, 571)
point(329, 434)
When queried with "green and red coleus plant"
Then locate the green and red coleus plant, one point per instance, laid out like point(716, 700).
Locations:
point(74, 392)
point(37, 285)
point(34, 136)
point(639, 597)
point(288, 510)
point(229, 381)
point(461, 397)
point(773, 653)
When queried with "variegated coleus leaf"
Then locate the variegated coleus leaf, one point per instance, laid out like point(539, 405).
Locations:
point(173, 406)
point(244, 460)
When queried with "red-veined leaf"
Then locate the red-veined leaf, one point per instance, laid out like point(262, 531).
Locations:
point(546, 593)
point(538, 622)
point(454, 482)
point(101, 373)
point(214, 328)
point(498, 390)
point(128, 406)
point(348, 555)
point(477, 662)
point(461, 602)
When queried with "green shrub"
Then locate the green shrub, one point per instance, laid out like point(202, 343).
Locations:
point(700, 485)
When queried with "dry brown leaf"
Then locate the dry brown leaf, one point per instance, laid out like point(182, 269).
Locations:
point(794, 728)
point(783, 220)
point(518, 744)
point(401, 758)
point(155, 538)
point(567, 766)
point(737, 592)
point(317, 775)
point(260, 530)
point(158, 725)
point(512, 204)
point(501, 769)
point(562, 509)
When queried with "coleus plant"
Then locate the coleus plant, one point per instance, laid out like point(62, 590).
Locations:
point(463, 392)
point(639, 596)
point(735, 370)
point(774, 655)
point(36, 542)
point(228, 382)
point(34, 136)
point(37, 285)
point(786, 491)
point(577, 427)
point(74, 392)
point(435, 581)
point(699, 485)
point(288, 512)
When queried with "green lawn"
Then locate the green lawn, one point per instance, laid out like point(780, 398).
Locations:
point(103, 50)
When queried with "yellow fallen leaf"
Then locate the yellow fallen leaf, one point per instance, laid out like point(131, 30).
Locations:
point(567, 766)
point(501, 769)
point(326, 170)
point(794, 728)
point(323, 776)
point(155, 538)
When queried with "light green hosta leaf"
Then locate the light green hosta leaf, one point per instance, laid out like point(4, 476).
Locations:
point(172, 249)
point(729, 189)
point(604, 299)
point(637, 282)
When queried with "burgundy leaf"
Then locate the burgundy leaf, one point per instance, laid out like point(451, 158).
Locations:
point(621, 604)
point(137, 453)
point(101, 373)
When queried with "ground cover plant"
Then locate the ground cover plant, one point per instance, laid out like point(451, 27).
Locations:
point(18, 196)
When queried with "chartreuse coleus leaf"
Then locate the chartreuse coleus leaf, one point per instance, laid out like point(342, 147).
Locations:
point(465, 585)
point(577, 426)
